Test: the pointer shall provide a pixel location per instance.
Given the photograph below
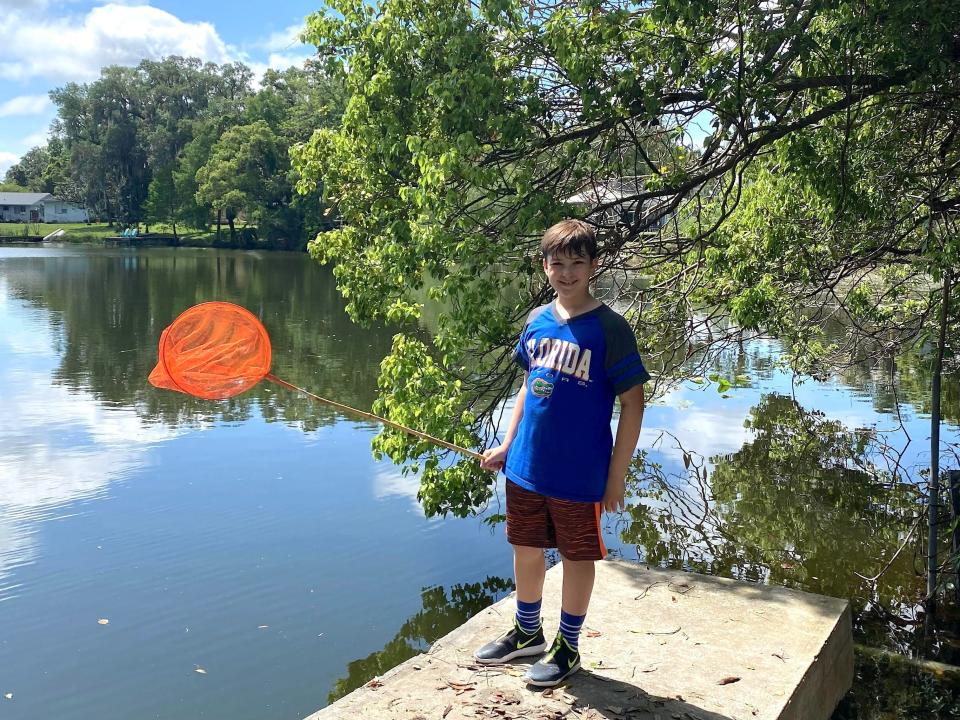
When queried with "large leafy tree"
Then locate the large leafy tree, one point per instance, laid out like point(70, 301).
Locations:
point(470, 124)
point(245, 172)
point(131, 123)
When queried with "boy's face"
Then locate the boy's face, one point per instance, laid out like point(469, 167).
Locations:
point(569, 275)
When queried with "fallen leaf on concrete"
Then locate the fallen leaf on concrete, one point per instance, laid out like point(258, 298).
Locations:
point(374, 684)
point(460, 685)
point(446, 711)
point(593, 633)
point(782, 656)
point(547, 693)
point(729, 680)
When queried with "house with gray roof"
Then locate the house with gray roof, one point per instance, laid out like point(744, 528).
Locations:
point(614, 202)
point(21, 207)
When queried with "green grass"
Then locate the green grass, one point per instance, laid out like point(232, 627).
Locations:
point(83, 232)
point(96, 232)
point(74, 231)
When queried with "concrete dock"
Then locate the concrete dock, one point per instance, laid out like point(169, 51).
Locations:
point(657, 645)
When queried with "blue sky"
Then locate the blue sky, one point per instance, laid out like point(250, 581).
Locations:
point(47, 43)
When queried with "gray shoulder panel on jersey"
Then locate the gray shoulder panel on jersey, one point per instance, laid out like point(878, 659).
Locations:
point(620, 337)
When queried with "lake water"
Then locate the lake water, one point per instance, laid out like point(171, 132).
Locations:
point(165, 557)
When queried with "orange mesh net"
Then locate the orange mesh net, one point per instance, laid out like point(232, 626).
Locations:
point(214, 351)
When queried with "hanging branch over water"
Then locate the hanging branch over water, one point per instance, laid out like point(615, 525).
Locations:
point(778, 165)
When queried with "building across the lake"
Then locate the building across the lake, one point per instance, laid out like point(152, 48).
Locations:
point(24, 207)
point(617, 198)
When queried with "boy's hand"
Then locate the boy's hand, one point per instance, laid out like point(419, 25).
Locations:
point(613, 495)
point(494, 458)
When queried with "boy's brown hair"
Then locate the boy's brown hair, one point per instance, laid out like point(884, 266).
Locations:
point(570, 237)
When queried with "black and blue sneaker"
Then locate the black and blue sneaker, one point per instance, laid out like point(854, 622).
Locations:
point(514, 643)
point(561, 662)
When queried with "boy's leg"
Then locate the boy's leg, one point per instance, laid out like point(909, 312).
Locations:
point(580, 542)
point(529, 569)
point(528, 531)
point(578, 578)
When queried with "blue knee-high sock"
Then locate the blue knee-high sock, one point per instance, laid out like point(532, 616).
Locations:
point(570, 626)
point(528, 615)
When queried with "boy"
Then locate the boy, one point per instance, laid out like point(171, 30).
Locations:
point(559, 457)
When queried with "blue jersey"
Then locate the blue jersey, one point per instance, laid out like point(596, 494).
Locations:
point(576, 369)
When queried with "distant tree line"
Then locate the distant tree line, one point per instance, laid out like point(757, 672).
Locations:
point(186, 143)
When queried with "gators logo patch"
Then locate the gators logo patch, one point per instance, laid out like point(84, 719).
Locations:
point(541, 388)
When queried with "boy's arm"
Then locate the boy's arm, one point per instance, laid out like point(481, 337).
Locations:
point(632, 403)
point(494, 458)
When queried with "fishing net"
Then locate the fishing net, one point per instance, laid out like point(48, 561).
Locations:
point(214, 350)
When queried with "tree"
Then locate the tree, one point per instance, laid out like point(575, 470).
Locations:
point(163, 205)
point(30, 171)
point(245, 172)
point(130, 123)
point(469, 125)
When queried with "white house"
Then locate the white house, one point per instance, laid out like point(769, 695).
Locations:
point(617, 195)
point(64, 211)
point(22, 207)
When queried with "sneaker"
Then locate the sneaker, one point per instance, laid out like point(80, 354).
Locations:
point(556, 666)
point(514, 643)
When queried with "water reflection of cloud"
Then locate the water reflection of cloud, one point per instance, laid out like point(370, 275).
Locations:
point(704, 432)
point(388, 482)
point(57, 446)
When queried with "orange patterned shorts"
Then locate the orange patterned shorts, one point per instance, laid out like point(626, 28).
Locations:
point(535, 520)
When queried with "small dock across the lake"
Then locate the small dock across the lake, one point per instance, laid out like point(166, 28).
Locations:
point(658, 645)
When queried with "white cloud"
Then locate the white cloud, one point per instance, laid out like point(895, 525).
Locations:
point(25, 105)
point(276, 61)
point(75, 48)
point(34, 139)
point(6, 160)
point(283, 40)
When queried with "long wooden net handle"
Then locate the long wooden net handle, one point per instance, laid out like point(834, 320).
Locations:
point(370, 416)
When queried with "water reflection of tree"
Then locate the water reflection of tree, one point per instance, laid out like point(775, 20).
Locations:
point(440, 615)
point(108, 309)
point(800, 505)
point(910, 384)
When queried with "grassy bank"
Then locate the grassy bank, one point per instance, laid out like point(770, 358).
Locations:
point(97, 232)
point(74, 231)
